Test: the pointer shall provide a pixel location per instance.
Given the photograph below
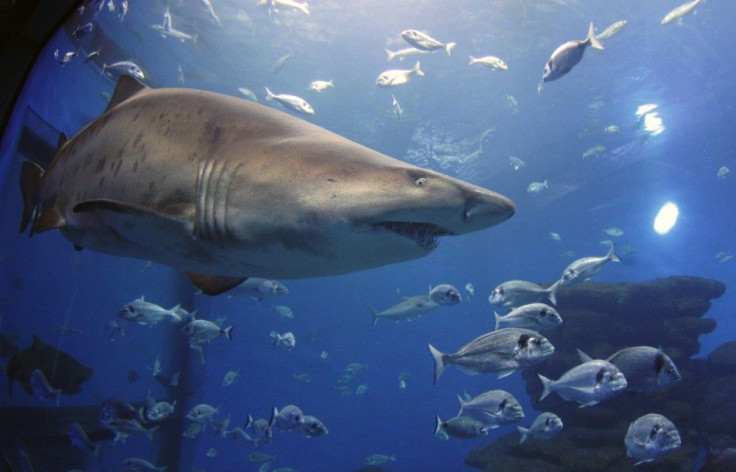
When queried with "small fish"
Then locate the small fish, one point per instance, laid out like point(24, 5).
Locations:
point(462, 427)
point(493, 408)
point(361, 389)
point(651, 436)
point(156, 411)
point(303, 378)
point(291, 101)
point(613, 231)
point(320, 85)
point(537, 316)
point(594, 151)
point(512, 103)
point(565, 57)
point(193, 430)
point(66, 58)
point(396, 107)
point(284, 311)
point(289, 417)
point(585, 268)
point(469, 290)
point(200, 331)
point(555, 236)
point(230, 377)
point(356, 367)
point(255, 287)
point(645, 368)
point(203, 413)
point(611, 129)
point(125, 67)
point(413, 307)
point(536, 187)
point(303, 7)
point(425, 42)
point(377, 459)
point(79, 438)
point(515, 293)
point(395, 77)
point(280, 62)
point(82, 31)
point(679, 12)
point(261, 457)
point(501, 351)
point(141, 465)
point(286, 340)
point(211, 11)
point(722, 173)
point(146, 313)
point(544, 427)
point(212, 452)
point(402, 53)
point(492, 62)
point(516, 163)
point(609, 32)
point(251, 96)
point(587, 383)
point(312, 427)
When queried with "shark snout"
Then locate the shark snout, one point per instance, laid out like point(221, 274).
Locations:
point(486, 208)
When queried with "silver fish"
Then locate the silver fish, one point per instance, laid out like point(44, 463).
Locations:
point(587, 267)
point(204, 330)
point(289, 417)
point(565, 57)
point(147, 313)
point(312, 427)
point(402, 53)
point(41, 387)
point(203, 413)
point(230, 377)
point(79, 438)
point(125, 67)
point(229, 211)
point(425, 42)
point(320, 85)
point(501, 351)
point(587, 383)
point(396, 107)
point(292, 102)
point(493, 408)
point(515, 293)
point(492, 62)
point(259, 289)
point(545, 426)
point(377, 459)
point(413, 307)
point(394, 77)
point(651, 436)
point(536, 316)
point(609, 32)
point(462, 427)
point(680, 11)
point(645, 368)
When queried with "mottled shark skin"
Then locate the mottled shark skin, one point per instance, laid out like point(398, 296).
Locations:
point(223, 189)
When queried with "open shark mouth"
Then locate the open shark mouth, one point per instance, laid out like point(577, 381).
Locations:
point(424, 234)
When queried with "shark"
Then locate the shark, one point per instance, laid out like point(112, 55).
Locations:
point(224, 189)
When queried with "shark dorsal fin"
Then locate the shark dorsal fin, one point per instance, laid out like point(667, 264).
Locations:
point(126, 87)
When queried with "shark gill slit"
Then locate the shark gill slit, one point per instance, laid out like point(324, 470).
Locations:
point(212, 189)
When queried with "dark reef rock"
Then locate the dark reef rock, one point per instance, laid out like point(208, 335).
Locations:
point(600, 319)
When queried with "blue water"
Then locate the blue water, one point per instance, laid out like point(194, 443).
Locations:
point(686, 69)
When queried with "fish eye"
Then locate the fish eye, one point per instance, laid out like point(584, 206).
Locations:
point(420, 181)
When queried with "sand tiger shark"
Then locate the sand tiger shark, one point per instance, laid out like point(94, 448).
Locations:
point(223, 188)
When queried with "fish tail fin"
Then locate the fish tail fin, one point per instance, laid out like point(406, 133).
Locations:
point(437, 425)
point(102, 70)
point(374, 313)
point(305, 8)
point(269, 94)
point(546, 386)
point(552, 295)
point(274, 414)
point(229, 333)
point(248, 422)
point(416, 69)
point(524, 433)
point(390, 55)
point(462, 402)
point(472, 60)
point(612, 256)
point(497, 317)
point(592, 40)
point(439, 362)
point(449, 47)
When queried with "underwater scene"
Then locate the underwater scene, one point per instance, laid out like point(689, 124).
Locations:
point(323, 235)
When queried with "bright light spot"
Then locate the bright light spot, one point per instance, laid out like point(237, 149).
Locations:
point(644, 109)
point(653, 123)
point(666, 218)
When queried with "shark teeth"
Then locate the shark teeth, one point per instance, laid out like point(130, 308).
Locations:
point(425, 234)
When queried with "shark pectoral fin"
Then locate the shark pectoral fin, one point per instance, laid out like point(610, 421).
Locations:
point(213, 284)
point(135, 223)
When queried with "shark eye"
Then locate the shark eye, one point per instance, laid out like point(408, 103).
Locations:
point(419, 182)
